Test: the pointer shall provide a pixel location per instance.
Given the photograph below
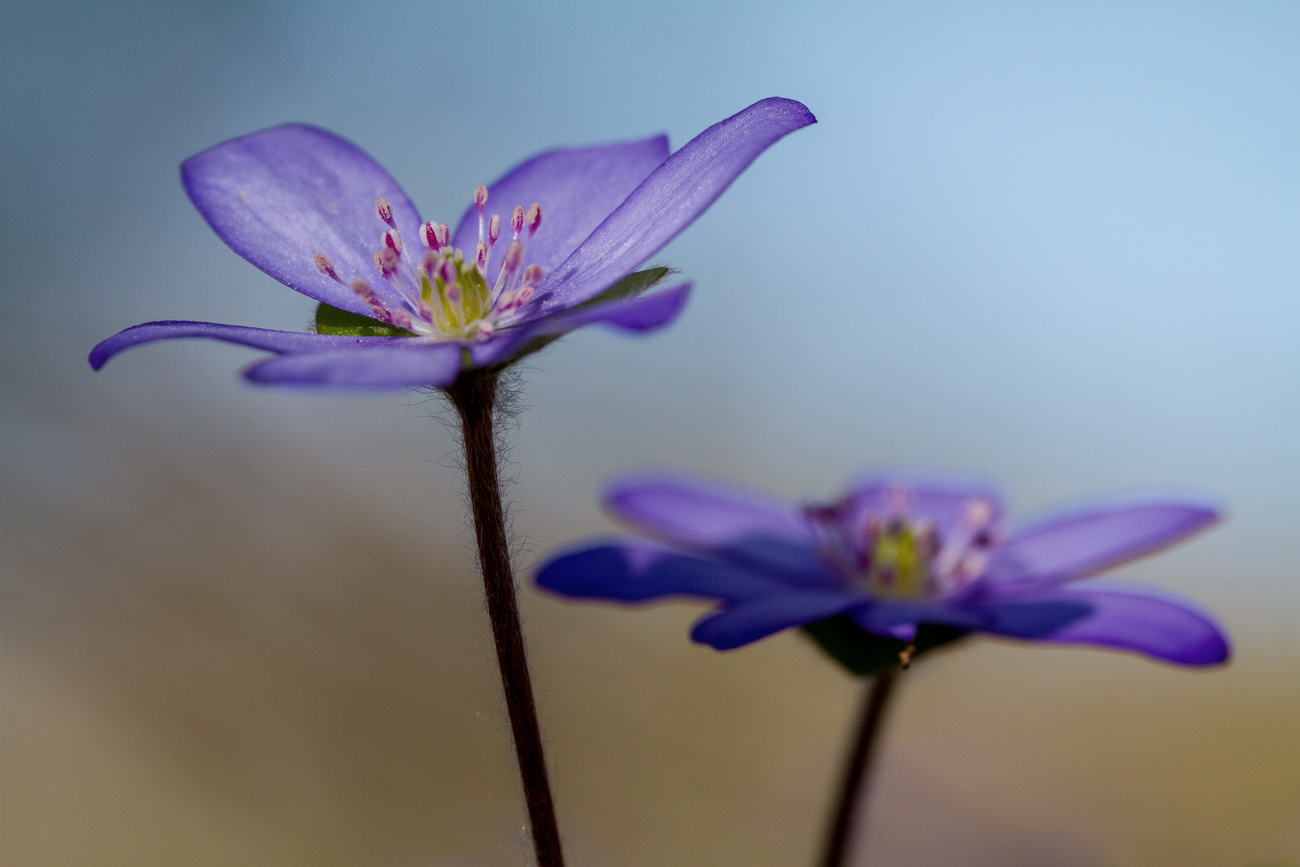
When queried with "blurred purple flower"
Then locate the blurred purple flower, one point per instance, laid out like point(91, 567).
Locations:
point(891, 555)
point(408, 302)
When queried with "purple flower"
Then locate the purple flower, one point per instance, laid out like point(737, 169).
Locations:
point(409, 302)
point(892, 555)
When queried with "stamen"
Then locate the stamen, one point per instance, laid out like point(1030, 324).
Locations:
point(447, 271)
point(494, 229)
point(429, 235)
point(429, 264)
point(514, 256)
point(534, 218)
point(326, 267)
point(393, 241)
point(384, 211)
point(480, 255)
point(388, 261)
point(532, 275)
point(517, 220)
point(363, 291)
point(480, 202)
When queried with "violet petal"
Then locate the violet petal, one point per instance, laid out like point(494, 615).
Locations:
point(702, 513)
point(747, 621)
point(632, 571)
point(1144, 620)
point(943, 501)
point(577, 188)
point(1085, 542)
point(258, 338)
point(638, 315)
point(668, 201)
point(280, 196)
point(402, 361)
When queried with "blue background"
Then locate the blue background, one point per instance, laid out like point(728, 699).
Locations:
point(1053, 244)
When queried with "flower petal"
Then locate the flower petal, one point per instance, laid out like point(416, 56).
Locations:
point(884, 615)
point(702, 513)
point(668, 201)
point(400, 361)
point(1147, 621)
point(258, 338)
point(280, 196)
point(1086, 542)
point(750, 620)
point(945, 502)
point(577, 188)
point(1032, 618)
point(632, 571)
point(638, 315)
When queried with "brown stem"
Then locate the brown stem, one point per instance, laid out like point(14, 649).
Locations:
point(474, 397)
point(856, 770)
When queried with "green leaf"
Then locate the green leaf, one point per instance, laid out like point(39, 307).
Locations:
point(864, 653)
point(629, 287)
point(332, 320)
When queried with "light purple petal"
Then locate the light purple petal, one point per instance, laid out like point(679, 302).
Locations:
point(258, 338)
point(747, 621)
point(1147, 621)
point(1087, 542)
point(577, 188)
point(633, 571)
point(942, 501)
point(280, 196)
point(669, 200)
point(702, 513)
point(405, 361)
point(638, 315)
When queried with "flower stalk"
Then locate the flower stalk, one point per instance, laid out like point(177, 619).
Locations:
point(849, 806)
point(474, 396)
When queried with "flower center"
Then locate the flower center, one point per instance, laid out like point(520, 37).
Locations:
point(440, 292)
point(890, 552)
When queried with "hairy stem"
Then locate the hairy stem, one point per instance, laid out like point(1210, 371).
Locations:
point(839, 834)
point(474, 397)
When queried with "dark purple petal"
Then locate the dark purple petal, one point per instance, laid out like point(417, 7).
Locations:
point(1032, 618)
point(280, 196)
point(743, 622)
point(1086, 542)
point(632, 571)
point(668, 201)
point(638, 315)
point(1147, 621)
point(577, 189)
point(258, 338)
point(884, 615)
point(403, 361)
point(702, 513)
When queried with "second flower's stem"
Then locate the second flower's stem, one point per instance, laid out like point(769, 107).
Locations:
point(474, 397)
point(856, 770)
